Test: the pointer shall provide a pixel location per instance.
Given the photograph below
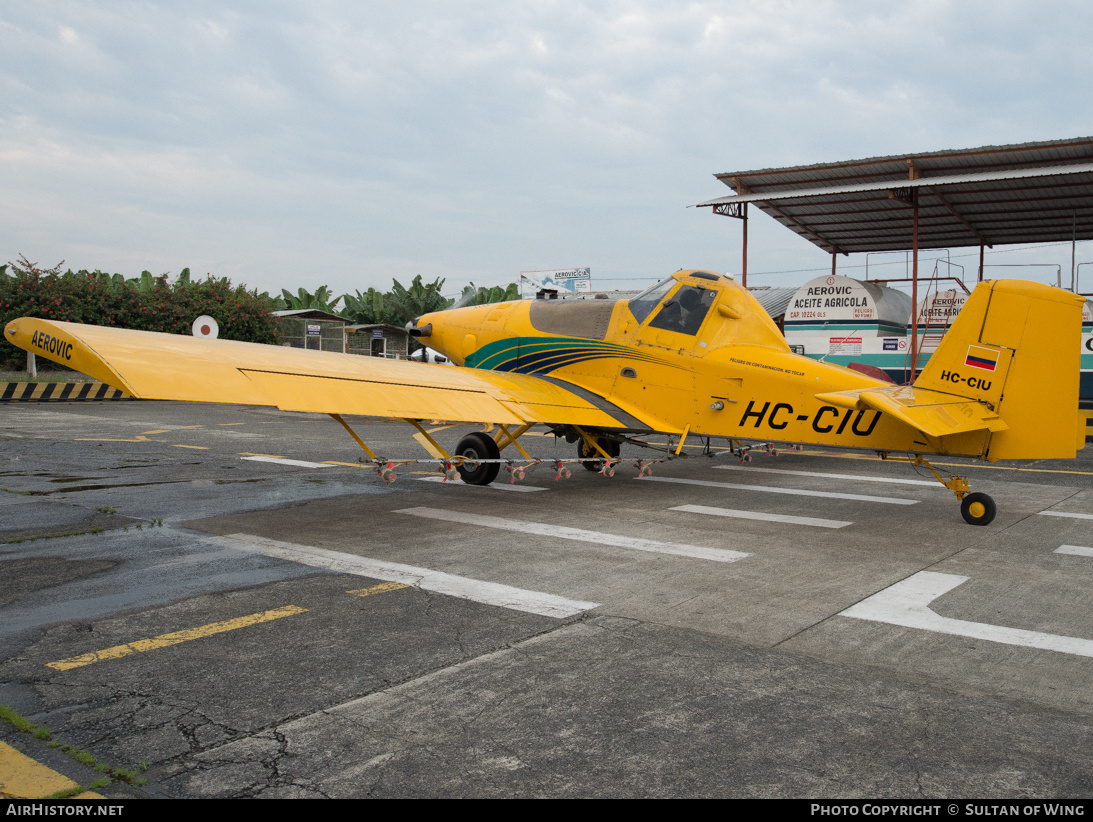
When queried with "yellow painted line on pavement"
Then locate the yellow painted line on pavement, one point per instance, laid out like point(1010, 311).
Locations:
point(347, 464)
point(166, 640)
point(1006, 468)
point(383, 587)
point(946, 464)
point(195, 447)
point(230, 423)
point(24, 778)
point(249, 454)
point(181, 427)
point(140, 438)
point(158, 431)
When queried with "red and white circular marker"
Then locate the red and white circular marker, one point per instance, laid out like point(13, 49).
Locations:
point(205, 326)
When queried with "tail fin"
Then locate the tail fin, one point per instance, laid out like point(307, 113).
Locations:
point(1016, 346)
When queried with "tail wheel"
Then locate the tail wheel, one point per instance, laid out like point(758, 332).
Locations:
point(978, 509)
point(479, 446)
point(584, 452)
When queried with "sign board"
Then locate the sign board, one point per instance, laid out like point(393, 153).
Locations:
point(941, 308)
point(575, 280)
point(206, 327)
point(835, 298)
point(377, 333)
point(314, 330)
point(844, 345)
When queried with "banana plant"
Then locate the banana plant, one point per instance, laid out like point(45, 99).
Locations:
point(410, 303)
point(370, 307)
point(303, 298)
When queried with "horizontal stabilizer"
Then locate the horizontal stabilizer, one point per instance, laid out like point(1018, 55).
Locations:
point(933, 413)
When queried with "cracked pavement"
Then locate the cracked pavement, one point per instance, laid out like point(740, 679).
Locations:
point(689, 678)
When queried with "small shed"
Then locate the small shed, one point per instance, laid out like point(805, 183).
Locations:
point(377, 340)
point(311, 328)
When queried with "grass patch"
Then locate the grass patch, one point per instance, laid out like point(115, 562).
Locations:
point(106, 509)
point(17, 540)
point(24, 725)
point(74, 792)
point(21, 723)
point(67, 794)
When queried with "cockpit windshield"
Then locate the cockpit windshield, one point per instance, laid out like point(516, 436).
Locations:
point(642, 305)
point(685, 311)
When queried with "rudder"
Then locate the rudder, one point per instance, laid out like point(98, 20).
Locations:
point(1016, 346)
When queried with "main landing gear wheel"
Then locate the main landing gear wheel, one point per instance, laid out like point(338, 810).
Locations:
point(978, 509)
point(479, 446)
point(584, 452)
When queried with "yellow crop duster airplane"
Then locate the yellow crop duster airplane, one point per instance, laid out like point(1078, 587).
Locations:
point(695, 355)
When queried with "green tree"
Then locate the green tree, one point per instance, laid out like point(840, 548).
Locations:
point(418, 299)
point(305, 299)
point(485, 296)
point(145, 303)
point(371, 307)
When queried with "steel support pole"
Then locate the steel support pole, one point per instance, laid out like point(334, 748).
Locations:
point(981, 262)
point(744, 263)
point(834, 257)
point(1073, 253)
point(914, 291)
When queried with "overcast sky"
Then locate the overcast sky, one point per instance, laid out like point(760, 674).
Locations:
point(343, 144)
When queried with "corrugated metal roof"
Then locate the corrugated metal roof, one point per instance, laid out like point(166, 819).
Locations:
point(775, 301)
point(394, 329)
point(994, 195)
point(309, 314)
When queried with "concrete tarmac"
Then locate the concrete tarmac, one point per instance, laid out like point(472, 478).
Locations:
point(226, 601)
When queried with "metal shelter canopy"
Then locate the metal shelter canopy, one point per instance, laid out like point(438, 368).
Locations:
point(994, 195)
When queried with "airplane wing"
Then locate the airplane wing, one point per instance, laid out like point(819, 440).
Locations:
point(152, 365)
point(931, 412)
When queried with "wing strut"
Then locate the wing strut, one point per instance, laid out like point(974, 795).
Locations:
point(353, 434)
point(515, 435)
point(432, 442)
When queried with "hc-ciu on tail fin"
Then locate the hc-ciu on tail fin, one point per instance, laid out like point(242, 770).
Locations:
point(1015, 347)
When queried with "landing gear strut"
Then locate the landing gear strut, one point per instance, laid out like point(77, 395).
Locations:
point(977, 508)
point(584, 451)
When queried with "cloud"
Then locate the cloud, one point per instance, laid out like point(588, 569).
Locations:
point(476, 140)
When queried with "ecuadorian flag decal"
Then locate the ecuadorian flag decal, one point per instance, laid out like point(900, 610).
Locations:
point(980, 357)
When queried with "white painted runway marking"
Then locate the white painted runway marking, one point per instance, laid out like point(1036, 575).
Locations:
point(907, 604)
point(578, 534)
point(1076, 550)
point(285, 461)
point(931, 483)
point(499, 486)
point(476, 590)
point(1065, 514)
point(797, 492)
point(731, 512)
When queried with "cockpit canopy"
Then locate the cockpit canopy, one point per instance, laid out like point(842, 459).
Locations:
point(686, 309)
